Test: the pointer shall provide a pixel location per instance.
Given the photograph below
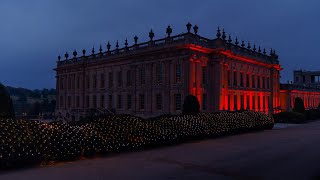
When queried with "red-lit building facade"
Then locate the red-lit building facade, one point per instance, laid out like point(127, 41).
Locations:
point(153, 77)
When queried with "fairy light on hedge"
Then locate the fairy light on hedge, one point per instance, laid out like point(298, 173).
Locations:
point(23, 142)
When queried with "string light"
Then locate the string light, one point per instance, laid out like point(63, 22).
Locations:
point(23, 142)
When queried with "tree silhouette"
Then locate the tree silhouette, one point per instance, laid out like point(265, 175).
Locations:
point(6, 106)
point(191, 105)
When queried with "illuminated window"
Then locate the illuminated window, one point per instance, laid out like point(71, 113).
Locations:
point(129, 82)
point(129, 101)
point(159, 101)
point(110, 79)
point(159, 73)
point(101, 80)
point(119, 101)
point(204, 75)
point(178, 73)
point(102, 101)
point(142, 101)
point(177, 100)
point(204, 102)
point(142, 76)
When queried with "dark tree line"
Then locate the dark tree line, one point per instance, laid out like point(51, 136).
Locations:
point(6, 105)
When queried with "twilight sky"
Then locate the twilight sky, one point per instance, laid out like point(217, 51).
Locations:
point(34, 32)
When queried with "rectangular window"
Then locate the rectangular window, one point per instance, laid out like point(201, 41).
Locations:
point(229, 78)
point(229, 102)
point(110, 79)
point(129, 101)
point(235, 102)
point(88, 101)
point(258, 81)
point(247, 81)
point(69, 82)
point(178, 73)
point(248, 102)
point(253, 103)
point(253, 81)
point(110, 102)
point(102, 101)
point(61, 101)
point(142, 76)
point(241, 80)
point(141, 101)
point(259, 102)
point(128, 78)
point(263, 82)
point(159, 73)
point(303, 79)
point(69, 101)
point(177, 100)
point(78, 101)
point(102, 80)
point(94, 81)
point(235, 82)
point(204, 102)
point(119, 79)
point(159, 101)
point(264, 102)
point(78, 82)
point(204, 75)
point(119, 101)
point(88, 82)
point(94, 101)
point(242, 102)
point(61, 83)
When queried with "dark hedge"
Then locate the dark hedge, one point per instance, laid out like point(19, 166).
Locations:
point(30, 142)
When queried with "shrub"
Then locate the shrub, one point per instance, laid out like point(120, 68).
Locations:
point(298, 105)
point(191, 105)
point(289, 117)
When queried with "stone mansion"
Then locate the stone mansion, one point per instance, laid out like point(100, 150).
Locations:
point(153, 77)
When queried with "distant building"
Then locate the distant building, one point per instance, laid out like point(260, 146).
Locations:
point(153, 77)
point(307, 78)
